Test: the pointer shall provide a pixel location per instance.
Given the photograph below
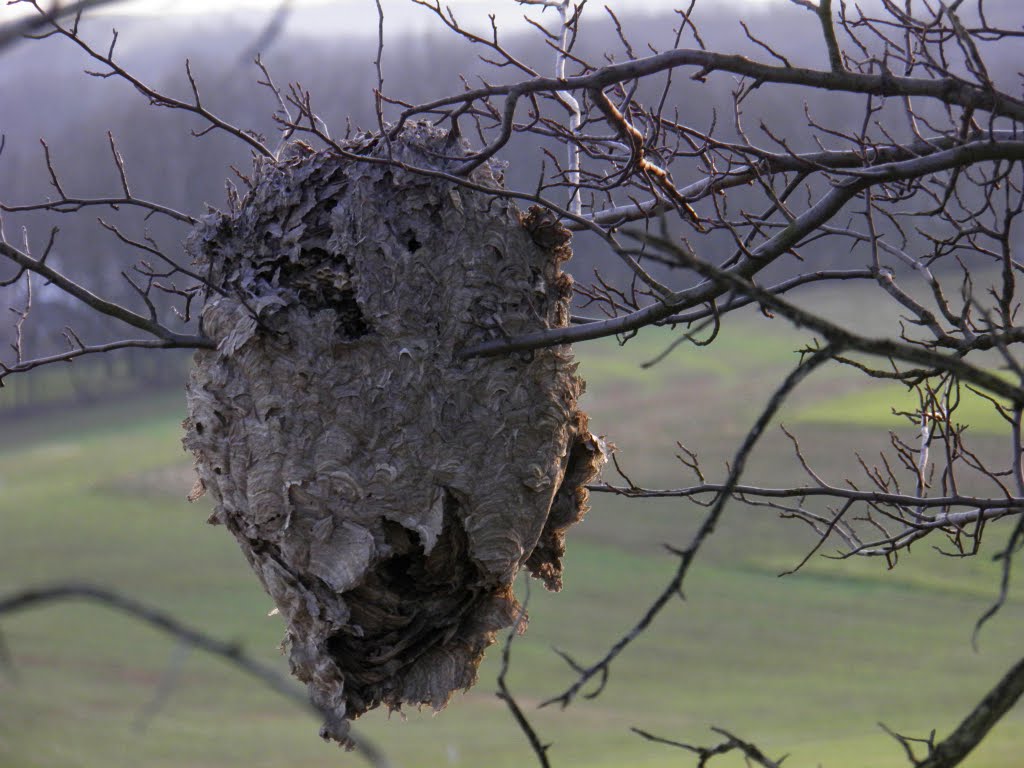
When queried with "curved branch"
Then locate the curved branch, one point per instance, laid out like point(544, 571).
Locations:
point(973, 729)
point(719, 281)
point(89, 349)
point(707, 527)
point(12, 32)
point(75, 204)
point(156, 98)
point(947, 90)
point(737, 302)
point(102, 306)
point(989, 504)
point(769, 163)
point(230, 652)
point(750, 752)
point(946, 754)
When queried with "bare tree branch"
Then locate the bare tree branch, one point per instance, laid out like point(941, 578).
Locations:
point(972, 730)
point(540, 749)
point(231, 652)
point(14, 31)
point(707, 527)
point(753, 755)
point(914, 189)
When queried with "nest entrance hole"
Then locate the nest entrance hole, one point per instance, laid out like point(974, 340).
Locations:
point(313, 278)
point(409, 604)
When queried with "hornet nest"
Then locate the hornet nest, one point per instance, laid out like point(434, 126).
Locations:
point(385, 489)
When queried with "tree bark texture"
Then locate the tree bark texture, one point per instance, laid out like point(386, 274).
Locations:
point(385, 490)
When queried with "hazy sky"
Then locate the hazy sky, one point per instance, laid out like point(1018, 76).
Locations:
point(401, 15)
point(193, 6)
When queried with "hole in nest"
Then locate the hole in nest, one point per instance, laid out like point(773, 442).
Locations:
point(407, 603)
point(411, 242)
point(315, 256)
point(351, 322)
point(316, 290)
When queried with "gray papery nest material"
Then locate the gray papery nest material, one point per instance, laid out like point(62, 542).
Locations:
point(385, 490)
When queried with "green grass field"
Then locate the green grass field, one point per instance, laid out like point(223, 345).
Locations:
point(805, 665)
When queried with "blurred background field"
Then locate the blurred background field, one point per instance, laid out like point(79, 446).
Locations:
point(93, 481)
point(806, 664)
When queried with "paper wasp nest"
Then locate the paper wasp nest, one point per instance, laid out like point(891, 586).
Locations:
point(385, 489)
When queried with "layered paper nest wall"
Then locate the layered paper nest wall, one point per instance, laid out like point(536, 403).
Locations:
point(385, 489)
